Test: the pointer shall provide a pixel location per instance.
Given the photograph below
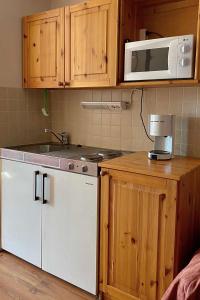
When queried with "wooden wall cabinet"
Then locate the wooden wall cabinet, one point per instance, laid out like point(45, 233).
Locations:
point(149, 230)
point(82, 45)
point(44, 50)
point(74, 46)
point(94, 43)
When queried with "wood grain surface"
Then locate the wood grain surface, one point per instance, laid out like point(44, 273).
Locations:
point(22, 281)
point(139, 163)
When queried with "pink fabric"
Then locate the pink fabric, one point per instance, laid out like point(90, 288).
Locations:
point(186, 285)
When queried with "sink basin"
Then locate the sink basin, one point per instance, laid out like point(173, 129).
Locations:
point(41, 148)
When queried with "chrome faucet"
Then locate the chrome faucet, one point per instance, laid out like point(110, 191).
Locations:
point(63, 137)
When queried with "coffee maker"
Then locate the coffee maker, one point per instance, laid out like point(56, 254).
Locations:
point(161, 127)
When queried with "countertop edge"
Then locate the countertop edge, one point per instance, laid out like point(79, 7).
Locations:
point(169, 169)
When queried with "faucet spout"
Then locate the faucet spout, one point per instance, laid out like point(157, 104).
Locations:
point(63, 137)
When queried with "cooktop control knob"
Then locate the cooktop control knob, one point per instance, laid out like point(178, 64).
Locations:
point(70, 166)
point(84, 169)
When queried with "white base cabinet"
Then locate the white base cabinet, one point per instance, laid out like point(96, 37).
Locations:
point(69, 228)
point(58, 231)
point(20, 214)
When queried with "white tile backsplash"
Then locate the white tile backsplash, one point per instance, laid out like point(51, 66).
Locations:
point(123, 130)
point(21, 119)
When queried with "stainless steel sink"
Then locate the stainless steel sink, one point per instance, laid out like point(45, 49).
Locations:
point(41, 148)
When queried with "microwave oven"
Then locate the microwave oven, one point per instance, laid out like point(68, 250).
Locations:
point(163, 58)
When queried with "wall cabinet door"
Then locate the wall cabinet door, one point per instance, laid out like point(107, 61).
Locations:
point(20, 212)
point(69, 228)
point(138, 221)
point(44, 49)
point(94, 43)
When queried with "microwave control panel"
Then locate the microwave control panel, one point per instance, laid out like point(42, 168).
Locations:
point(185, 57)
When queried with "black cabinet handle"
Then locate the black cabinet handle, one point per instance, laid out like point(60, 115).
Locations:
point(44, 201)
point(36, 173)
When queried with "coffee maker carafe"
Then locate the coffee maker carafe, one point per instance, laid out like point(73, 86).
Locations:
point(161, 127)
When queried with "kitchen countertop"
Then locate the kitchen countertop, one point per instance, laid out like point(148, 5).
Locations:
point(139, 163)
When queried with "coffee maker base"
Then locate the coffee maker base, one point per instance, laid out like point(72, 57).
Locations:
point(159, 155)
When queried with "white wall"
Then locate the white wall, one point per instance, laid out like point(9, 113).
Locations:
point(11, 12)
point(60, 3)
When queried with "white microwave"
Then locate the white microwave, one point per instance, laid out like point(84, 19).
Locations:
point(163, 58)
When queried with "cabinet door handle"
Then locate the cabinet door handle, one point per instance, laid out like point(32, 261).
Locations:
point(60, 83)
point(103, 173)
point(36, 174)
point(44, 201)
point(67, 83)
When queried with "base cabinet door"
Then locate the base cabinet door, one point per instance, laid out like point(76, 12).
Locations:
point(135, 231)
point(93, 28)
point(21, 211)
point(69, 228)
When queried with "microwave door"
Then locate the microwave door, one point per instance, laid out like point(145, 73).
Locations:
point(147, 64)
point(151, 61)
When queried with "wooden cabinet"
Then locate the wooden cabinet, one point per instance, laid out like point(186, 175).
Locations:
point(82, 45)
point(148, 231)
point(72, 46)
point(94, 43)
point(44, 50)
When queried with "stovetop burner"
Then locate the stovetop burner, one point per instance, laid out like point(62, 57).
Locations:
point(94, 157)
point(100, 156)
point(109, 154)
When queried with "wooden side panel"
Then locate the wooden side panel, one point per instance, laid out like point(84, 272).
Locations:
point(127, 31)
point(188, 219)
point(25, 53)
point(44, 49)
point(94, 43)
point(197, 60)
point(138, 231)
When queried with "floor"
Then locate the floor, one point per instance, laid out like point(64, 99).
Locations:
point(22, 281)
